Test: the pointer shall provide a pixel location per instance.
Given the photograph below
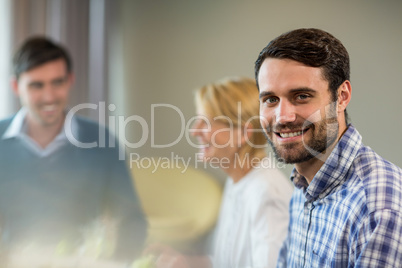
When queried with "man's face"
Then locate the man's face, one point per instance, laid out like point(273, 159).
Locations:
point(298, 115)
point(44, 91)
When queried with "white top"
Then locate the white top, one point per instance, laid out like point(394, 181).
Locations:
point(253, 220)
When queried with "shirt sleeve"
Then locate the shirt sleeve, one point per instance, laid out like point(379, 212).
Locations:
point(378, 242)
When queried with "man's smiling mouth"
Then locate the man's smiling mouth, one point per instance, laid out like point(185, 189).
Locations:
point(291, 134)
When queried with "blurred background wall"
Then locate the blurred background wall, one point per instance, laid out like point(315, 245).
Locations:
point(136, 54)
point(169, 48)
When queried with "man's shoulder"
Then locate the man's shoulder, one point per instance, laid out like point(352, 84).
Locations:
point(89, 130)
point(5, 123)
point(90, 137)
point(86, 122)
point(381, 180)
point(369, 164)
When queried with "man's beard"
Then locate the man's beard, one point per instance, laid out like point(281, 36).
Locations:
point(323, 134)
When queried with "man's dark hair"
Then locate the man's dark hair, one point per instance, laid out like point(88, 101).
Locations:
point(36, 51)
point(314, 48)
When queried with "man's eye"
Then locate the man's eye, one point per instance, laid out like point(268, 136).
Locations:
point(58, 82)
point(302, 96)
point(36, 85)
point(271, 100)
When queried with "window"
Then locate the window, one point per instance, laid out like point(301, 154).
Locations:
point(6, 100)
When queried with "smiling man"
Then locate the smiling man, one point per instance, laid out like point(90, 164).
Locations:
point(51, 190)
point(346, 210)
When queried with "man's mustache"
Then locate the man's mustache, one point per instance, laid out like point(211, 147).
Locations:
point(293, 126)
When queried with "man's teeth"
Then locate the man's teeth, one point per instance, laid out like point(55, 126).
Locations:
point(49, 107)
point(290, 134)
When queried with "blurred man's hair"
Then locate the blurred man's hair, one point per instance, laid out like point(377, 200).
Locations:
point(36, 51)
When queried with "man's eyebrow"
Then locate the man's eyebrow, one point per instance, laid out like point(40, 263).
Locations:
point(58, 79)
point(35, 83)
point(303, 89)
point(296, 90)
point(266, 93)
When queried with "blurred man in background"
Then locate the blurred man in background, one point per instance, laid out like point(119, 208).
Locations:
point(52, 192)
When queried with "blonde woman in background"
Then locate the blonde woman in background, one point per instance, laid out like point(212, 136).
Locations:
point(253, 218)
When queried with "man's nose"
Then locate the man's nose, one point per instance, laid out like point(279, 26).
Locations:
point(285, 113)
point(49, 93)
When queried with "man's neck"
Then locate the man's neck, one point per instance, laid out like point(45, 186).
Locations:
point(309, 168)
point(43, 134)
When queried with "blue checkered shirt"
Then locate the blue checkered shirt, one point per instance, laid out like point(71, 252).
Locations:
point(351, 213)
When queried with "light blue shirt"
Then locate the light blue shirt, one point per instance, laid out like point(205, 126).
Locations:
point(19, 129)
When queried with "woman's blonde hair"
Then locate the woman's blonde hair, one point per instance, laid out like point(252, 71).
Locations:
point(235, 98)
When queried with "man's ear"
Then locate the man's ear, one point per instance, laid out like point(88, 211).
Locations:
point(71, 79)
point(344, 95)
point(14, 85)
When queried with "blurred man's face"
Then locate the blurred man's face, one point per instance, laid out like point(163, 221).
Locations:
point(44, 91)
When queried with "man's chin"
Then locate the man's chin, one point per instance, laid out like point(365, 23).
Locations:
point(51, 123)
point(292, 156)
point(293, 160)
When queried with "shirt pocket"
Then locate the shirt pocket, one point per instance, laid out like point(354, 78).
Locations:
point(321, 256)
point(319, 261)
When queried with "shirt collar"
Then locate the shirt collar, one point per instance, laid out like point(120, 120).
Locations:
point(18, 128)
point(333, 172)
